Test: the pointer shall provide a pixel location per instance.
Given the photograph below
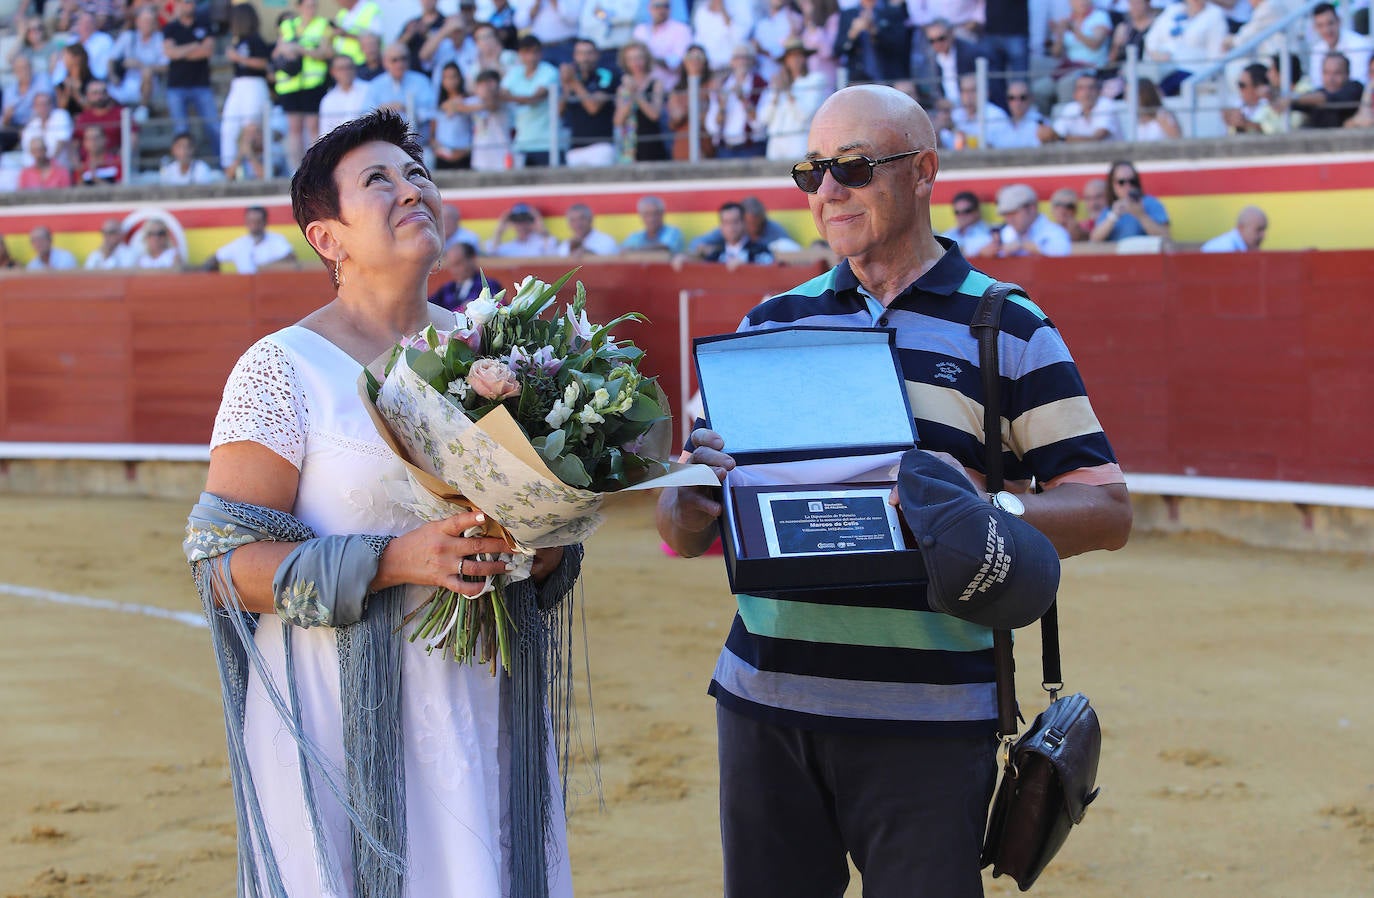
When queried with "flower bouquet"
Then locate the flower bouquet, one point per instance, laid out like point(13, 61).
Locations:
point(535, 419)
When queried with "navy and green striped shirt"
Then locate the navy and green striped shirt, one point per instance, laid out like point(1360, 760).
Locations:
point(874, 659)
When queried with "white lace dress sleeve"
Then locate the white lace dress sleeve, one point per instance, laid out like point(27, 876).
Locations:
point(264, 403)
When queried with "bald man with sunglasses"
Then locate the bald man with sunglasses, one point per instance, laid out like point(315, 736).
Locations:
point(858, 722)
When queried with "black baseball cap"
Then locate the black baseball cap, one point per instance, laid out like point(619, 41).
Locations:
point(521, 212)
point(984, 565)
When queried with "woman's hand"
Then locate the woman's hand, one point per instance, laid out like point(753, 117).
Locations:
point(438, 554)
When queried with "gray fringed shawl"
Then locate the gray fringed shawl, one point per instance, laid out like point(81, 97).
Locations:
point(372, 789)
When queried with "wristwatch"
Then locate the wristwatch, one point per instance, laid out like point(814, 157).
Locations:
point(1008, 502)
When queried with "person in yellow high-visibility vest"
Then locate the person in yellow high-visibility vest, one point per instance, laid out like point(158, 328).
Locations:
point(353, 19)
point(300, 65)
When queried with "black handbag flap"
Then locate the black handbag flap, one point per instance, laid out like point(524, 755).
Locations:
point(1067, 735)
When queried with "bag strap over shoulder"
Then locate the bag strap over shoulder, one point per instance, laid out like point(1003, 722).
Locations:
point(986, 326)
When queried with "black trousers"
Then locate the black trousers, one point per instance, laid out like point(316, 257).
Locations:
point(910, 811)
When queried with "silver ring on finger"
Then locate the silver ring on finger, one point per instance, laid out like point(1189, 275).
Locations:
point(461, 562)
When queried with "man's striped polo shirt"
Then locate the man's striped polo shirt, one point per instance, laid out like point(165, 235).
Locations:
point(875, 659)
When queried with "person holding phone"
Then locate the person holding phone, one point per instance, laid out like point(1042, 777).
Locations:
point(1130, 211)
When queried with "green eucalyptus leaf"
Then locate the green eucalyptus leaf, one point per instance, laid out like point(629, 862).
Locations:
point(571, 471)
point(554, 444)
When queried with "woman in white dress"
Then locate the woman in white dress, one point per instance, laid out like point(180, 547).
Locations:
point(293, 435)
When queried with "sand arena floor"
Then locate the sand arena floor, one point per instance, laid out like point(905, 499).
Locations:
point(1232, 683)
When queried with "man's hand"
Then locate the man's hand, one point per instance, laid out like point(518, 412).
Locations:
point(687, 515)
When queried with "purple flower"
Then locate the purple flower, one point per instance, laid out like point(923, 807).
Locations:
point(547, 361)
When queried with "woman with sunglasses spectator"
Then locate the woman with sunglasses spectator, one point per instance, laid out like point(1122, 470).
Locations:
point(1130, 212)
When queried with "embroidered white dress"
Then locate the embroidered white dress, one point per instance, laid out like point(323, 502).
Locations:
point(296, 393)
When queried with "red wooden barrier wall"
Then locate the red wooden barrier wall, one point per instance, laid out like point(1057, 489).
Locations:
point(1218, 365)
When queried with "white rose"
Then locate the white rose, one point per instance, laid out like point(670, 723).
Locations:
point(481, 310)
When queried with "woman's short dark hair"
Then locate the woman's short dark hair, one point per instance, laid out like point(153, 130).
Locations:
point(243, 20)
point(314, 193)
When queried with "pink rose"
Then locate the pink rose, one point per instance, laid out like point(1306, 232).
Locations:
point(493, 380)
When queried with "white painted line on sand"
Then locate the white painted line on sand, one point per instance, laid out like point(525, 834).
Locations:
point(189, 618)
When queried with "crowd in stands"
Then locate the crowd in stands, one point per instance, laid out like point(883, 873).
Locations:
point(529, 83)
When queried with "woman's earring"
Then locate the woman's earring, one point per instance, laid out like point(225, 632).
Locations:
point(338, 273)
point(439, 264)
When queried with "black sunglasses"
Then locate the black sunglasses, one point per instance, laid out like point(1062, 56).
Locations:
point(851, 170)
point(1134, 182)
point(966, 211)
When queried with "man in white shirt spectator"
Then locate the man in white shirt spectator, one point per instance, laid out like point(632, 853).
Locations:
point(159, 252)
point(1184, 36)
point(54, 127)
point(257, 250)
point(1027, 232)
point(584, 240)
point(965, 113)
point(112, 253)
point(47, 257)
point(969, 231)
point(1245, 237)
point(347, 99)
point(1330, 37)
point(1254, 115)
point(1086, 119)
point(403, 89)
point(1021, 129)
point(667, 40)
point(97, 44)
point(531, 238)
point(185, 169)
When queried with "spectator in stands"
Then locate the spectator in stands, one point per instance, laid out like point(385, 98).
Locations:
point(1130, 31)
point(249, 98)
point(1245, 237)
point(820, 25)
point(1087, 118)
point(35, 45)
point(1020, 128)
point(346, 100)
point(695, 65)
point(54, 126)
point(138, 63)
point(1185, 35)
point(417, 33)
point(1153, 121)
point(1364, 116)
point(587, 104)
point(732, 117)
point(491, 126)
point(100, 164)
point(527, 87)
point(734, 246)
point(6, 260)
point(1027, 232)
point(43, 174)
point(1064, 212)
point(1094, 203)
point(1255, 114)
point(945, 56)
point(101, 112)
point(609, 24)
point(454, 232)
point(667, 40)
point(257, 250)
point(112, 253)
point(1081, 40)
point(17, 108)
point(873, 41)
point(657, 234)
point(248, 163)
point(1298, 84)
point(1130, 211)
point(1338, 98)
point(95, 45)
point(772, 31)
point(787, 106)
point(583, 239)
point(531, 237)
point(351, 21)
point(47, 257)
point(1005, 41)
point(158, 250)
point(300, 64)
point(71, 78)
point(1264, 14)
point(554, 22)
point(965, 114)
point(468, 280)
point(1332, 37)
point(969, 231)
point(639, 108)
point(451, 142)
point(404, 90)
point(190, 44)
point(488, 55)
point(372, 65)
point(184, 169)
point(759, 227)
point(720, 27)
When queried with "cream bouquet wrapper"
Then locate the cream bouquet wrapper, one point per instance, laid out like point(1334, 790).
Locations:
point(460, 458)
